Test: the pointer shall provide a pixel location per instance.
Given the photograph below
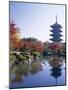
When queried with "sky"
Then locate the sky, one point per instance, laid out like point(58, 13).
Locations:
point(34, 20)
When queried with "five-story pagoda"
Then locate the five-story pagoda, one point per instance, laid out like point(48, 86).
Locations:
point(56, 32)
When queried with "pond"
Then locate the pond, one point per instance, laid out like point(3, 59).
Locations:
point(50, 71)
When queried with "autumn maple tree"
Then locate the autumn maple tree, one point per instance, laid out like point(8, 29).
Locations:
point(56, 46)
point(31, 43)
point(14, 35)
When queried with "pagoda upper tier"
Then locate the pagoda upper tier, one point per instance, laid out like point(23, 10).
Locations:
point(56, 32)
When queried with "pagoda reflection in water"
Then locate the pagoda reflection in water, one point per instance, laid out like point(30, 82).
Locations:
point(56, 70)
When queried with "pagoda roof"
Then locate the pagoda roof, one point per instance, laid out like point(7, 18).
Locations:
point(56, 39)
point(56, 35)
point(12, 23)
point(55, 30)
point(56, 25)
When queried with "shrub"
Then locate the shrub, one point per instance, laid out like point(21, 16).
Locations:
point(34, 53)
point(22, 58)
point(12, 57)
point(27, 56)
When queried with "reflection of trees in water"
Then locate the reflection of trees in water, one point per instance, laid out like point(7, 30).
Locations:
point(56, 63)
point(35, 67)
point(23, 70)
point(19, 72)
point(51, 57)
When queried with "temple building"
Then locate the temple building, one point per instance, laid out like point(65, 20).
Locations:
point(56, 32)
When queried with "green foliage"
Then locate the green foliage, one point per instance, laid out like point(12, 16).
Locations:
point(12, 57)
point(22, 58)
point(35, 53)
point(23, 49)
point(47, 49)
point(27, 56)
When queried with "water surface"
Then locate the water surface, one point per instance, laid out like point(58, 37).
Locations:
point(38, 73)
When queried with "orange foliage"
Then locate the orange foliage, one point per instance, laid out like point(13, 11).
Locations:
point(14, 35)
point(36, 45)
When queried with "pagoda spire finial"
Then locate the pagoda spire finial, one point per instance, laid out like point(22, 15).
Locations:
point(56, 18)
